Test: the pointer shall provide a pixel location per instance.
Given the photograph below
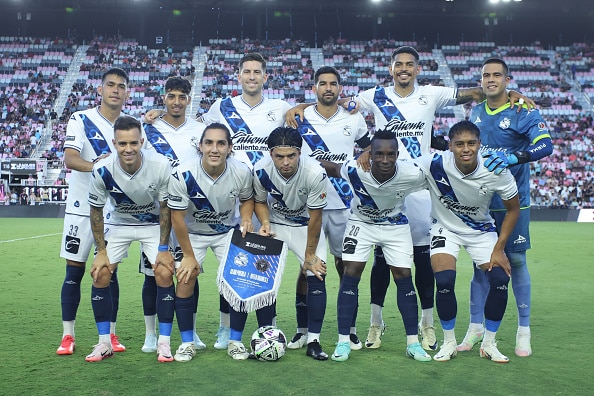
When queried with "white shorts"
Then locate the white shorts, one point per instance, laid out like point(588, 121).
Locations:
point(479, 246)
point(395, 241)
point(119, 239)
point(418, 211)
point(334, 222)
point(296, 240)
point(174, 248)
point(201, 243)
point(77, 238)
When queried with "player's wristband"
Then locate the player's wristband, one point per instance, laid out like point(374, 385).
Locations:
point(163, 248)
point(523, 156)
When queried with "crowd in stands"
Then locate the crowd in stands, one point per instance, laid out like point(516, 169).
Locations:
point(30, 81)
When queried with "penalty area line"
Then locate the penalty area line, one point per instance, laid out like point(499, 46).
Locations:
point(32, 237)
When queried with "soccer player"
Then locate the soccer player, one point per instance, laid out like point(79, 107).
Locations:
point(290, 194)
point(89, 136)
point(329, 133)
point(133, 186)
point(203, 196)
point(377, 219)
point(510, 140)
point(176, 137)
point(461, 189)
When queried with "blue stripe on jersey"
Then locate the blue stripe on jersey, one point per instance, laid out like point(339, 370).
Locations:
point(122, 199)
point(201, 202)
point(161, 145)
point(94, 136)
point(238, 125)
point(318, 149)
point(366, 200)
point(391, 112)
point(445, 187)
point(278, 196)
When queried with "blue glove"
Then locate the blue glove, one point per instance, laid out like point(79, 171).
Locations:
point(497, 161)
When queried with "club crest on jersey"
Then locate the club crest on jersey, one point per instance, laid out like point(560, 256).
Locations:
point(483, 190)
point(423, 101)
point(194, 142)
point(302, 191)
point(505, 123)
point(347, 131)
point(233, 193)
point(152, 187)
point(271, 116)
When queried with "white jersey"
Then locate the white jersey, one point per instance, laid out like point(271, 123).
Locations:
point(382, 203)
point(210, 203)
point(177, 144)
point(290, 199)
point(410, 118)
point(249, 126)
point(333, 140)
point(461, 202)
point(91, 134)
point(132, 199)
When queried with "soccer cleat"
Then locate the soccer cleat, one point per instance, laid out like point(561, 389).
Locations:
point(299, 340)
point(356, 343)
point(150, 344)
point(314, 349)
point(115, 344)
point(185, 352)
point(198, 344)
point(66, 346)
point(374, 336)
point(470, 340)
point(489, 350)
point(427, 336)
point(222, 338)
point(448, 351)
point(417, 352)
point(164, 352)
point(523, 347)
point(342, 351)
point(237, 350)
point(100, 351)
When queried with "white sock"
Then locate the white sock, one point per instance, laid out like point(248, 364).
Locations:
point(150, 323)
point(165, 339)
point(225, 320)
point(302, 330)
point(194, 321)
point(412, 339)
point(344, 338)
point(376, 315)
point(524, 330)
point(449, 336)
point(311, 337)
point(104, 338)
point(489, 336)
point(353, 330)
point(476, 328)
point(427, 317)
point(68, 328)
point(112, 326)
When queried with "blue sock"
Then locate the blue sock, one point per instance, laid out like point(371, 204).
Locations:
point(316, 304)
point(195, 297)
point(406, 299)
point(497, 297)
point(165, 307)
point(445, 298)
point(101, 303)
point(184, 308)
point(521, 286)
point(149, 296)
point(165, 328)
point(380, 277)
point(114, 288)
point(266, 314)
point(424, 279)
point(237, 324)
point(301, 310)
point(70, 296)
point(348, 297)
point(479, 288)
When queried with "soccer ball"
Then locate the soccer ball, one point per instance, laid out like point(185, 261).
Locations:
point(268, 343)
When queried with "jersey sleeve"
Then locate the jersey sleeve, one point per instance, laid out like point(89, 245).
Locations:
point(177, 192)
point(362, 138)
point(316, 199)
point(74, 133)
point(260, 193)
point(164, 182)
point(213, 114)
point(507, 187)
point(97, 191)
point(247, 184)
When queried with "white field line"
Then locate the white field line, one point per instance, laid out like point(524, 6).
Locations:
point(32, 237)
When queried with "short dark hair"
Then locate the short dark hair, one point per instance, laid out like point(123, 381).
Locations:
point(125, 123)
point(118, 72)
point(253, 56)
point(405, 49)
point(384, 134)
point(499, 61)
point(218, 125)
point(284, 136)
point(178, 84)
point(326, 70)
point(463, 126)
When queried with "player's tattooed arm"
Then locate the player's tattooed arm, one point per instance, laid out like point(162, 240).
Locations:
point(96, 215)
point(468, 95)
point(164, 223)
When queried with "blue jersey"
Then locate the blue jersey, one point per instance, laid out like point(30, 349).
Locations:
point(506, 130)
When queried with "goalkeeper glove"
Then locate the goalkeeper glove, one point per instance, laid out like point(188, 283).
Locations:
point(497, 161)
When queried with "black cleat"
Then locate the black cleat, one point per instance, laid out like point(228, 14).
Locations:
point(314, 349)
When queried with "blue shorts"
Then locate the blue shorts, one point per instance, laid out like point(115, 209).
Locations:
point(519, 240)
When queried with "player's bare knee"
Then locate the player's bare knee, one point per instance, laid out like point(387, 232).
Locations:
point(400, 272)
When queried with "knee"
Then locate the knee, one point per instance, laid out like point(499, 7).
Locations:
point(353, 269)
point(445, 279)
point(163, 278)
point(517, 259)
point(399, 272)
point(497, 278)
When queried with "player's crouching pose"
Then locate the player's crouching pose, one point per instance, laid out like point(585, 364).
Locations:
point(377, 219)
point(203, 196)
point(134, 186)
point(461, 190)
point(290, 193)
